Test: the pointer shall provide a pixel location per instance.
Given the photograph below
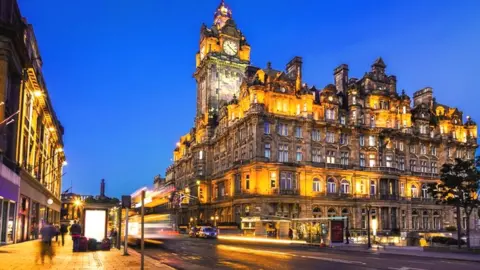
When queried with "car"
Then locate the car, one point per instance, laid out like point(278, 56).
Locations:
point(208, 232)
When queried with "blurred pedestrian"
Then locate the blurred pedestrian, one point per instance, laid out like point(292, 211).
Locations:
point(290, 233)
point(34, 230)
point(47, 232)
point(113, 237)
point(57, 232)
point(63, 231)
point(76, 232)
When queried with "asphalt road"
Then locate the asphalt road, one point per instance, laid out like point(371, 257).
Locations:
point(188, 253)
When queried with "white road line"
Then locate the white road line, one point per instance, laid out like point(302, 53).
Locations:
point(332, 260)
point(405, 268)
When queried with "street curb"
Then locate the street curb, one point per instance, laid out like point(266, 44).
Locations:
point(406, 255)
point(133, 252)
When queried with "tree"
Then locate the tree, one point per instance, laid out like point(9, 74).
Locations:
point(459, 185)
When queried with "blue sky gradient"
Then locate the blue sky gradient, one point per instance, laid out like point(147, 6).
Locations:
point(120, 72)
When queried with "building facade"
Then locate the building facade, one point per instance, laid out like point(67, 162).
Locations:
point(265, 143)
point(32, 144)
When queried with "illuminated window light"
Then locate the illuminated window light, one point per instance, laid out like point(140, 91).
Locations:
point(37, 93)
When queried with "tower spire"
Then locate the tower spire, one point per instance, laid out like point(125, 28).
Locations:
point(222, 14)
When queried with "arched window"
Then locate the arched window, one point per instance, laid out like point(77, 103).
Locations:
point(345, 187)
point(425, 191)
point(331, 187)
point(316, 185)
point(330, 114)
point(414, 191)
point(332, 212)
point(317, 212)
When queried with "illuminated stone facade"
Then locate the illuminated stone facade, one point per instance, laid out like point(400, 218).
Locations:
point(282, 148)
point(31, 142)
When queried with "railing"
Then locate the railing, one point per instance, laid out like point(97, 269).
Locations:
point(289, 192)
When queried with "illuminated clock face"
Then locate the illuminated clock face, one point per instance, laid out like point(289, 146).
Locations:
point(230, 47)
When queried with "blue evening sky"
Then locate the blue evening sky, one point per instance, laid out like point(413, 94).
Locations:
point(119, 72)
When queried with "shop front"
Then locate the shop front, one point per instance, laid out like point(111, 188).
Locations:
point(37, 206)
point(9, 188)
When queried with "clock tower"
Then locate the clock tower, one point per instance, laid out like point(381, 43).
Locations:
point(220, 62)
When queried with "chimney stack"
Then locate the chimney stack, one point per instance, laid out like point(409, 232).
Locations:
point(102, 188)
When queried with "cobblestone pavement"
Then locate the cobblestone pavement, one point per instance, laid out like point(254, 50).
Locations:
point(26, 256)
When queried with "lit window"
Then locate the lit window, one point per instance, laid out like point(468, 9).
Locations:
point(414, 191)
point(402, 189)
point(371, 140)
point(316, 185)
point(200, 154)
point(330, 114)
point(298, 109)
point(388, 161)
point(342, 120)
point(273, 179)
point(354, 100)
point(371, 160)
point(404, 110)
point(331, 157)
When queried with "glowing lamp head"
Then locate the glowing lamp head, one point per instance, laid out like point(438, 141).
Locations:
point(187, 190)
point(198, 182)
point(49, 201)
point(37, 93)
point(51, 129)
point(78, 202)
point(211, 218)
point(330, 98)
point(59, 149)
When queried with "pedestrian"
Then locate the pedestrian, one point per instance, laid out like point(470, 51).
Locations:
point(76, 232)
point(63, 231)
point(57, 232)
point(47, 232)
point(35, 230)
point(113, 237)
point(290, 233)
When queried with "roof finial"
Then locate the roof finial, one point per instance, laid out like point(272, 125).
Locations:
point(222, 14)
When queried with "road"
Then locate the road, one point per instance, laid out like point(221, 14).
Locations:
point(188, 253)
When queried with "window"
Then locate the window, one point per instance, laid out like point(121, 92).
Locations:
point(434, 150)
point(414, 191)
point(287, 181)
point(342, 120)
point(343, 139)
point(331, 187)
point(423, 129)
point(423, 149)
point(316, 155)
point(402, 189)
point(388, 161)
point(423, 166)
point(316, 135)
point(344, 158)
point(283, 129)
point(345, 187)
point(362, 160)
point(316, 185)
point(425, 220)
point(266, 128)
point(330, 137)
point(298, 109)
point(238, 183)
point(330, 114)
point(448, 152)
point(412, 149)
point(371, 160)
point(331, 157)
point(283, 153)
point(373, 188)
point(404, 123)
point(247, 181)
point(361, 140)
point(354, 100)
point(268, 151)
point(254, 98)
point(434, 167)
point(304, 107)
point(299, 154)
point(354, 116)
point(401, 146)
point(425, 191)
point(404, 109)
point(298, 132)
point(413, 164)
point(372, 122)
point(401, 163)
point(273, 179)
point(200, 154)
point(371, 140)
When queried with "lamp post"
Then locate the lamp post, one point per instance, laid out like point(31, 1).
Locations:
point(368, 207)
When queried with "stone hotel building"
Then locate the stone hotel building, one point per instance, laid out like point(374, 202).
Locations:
point(265, 143)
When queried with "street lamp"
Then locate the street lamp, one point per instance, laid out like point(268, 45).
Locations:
point(369, 208)
point(214, 219)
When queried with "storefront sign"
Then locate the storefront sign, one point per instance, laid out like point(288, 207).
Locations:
point(336, 231)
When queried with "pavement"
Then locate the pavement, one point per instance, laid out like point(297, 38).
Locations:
point(200, 254)
point(24, 256)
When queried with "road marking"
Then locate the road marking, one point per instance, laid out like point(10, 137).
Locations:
point(405, 268)
point(331, 260)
